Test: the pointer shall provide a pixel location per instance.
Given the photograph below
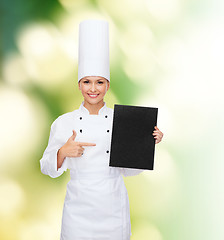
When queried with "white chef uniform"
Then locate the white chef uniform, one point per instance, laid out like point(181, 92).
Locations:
point(96, 205)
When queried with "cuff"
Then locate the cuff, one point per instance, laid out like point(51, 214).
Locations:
point(131, 171)
point(53, 172)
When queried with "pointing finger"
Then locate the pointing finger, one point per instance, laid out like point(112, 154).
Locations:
point(86, 144)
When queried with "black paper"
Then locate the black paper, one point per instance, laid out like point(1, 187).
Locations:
point(132, 142)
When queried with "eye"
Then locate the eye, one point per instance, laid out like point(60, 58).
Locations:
point(86, 81)
point(100, 82)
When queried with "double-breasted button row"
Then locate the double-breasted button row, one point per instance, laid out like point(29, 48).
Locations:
point(107, 130)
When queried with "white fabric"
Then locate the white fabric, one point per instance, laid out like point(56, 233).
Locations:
point(94, 49)
point(96, 205)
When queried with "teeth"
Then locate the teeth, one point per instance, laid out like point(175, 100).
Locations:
point(91, 95)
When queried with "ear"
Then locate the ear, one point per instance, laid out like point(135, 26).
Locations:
point(79, 84)
point(108, 85)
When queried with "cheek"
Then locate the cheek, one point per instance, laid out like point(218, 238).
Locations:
point(84, 88)
point(102, 88)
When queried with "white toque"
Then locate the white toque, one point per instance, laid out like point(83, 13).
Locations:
point(94, 49)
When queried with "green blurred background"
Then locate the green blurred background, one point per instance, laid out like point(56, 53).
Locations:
point(163, 53)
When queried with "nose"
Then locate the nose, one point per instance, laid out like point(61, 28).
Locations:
point(92, 88)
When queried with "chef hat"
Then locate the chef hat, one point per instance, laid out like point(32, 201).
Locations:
point(94, 49)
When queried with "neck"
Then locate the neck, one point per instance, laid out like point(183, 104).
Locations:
point(93, 108)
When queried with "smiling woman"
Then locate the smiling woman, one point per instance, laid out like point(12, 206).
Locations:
point(96, 204)
point(93, 89)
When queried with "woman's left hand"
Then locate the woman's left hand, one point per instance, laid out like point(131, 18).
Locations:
point(158, 135)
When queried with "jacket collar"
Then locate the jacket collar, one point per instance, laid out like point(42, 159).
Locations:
point(84, 110)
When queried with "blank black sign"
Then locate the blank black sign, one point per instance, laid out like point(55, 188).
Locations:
point(132, 142)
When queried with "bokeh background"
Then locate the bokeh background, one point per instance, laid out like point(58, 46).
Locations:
point(163, 53)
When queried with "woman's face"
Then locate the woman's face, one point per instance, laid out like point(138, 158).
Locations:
point(93, 88)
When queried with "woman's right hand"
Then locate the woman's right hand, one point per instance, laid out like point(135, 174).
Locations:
point(71, 149)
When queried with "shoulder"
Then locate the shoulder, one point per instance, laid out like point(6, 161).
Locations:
point(110, 110)
point(65, 118)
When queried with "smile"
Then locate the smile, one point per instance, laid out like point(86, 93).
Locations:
point(93, 95)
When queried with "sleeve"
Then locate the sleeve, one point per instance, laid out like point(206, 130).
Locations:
point(127, 172)
point(48, 162)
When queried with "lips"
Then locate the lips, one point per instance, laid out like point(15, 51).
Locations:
point(93, 95)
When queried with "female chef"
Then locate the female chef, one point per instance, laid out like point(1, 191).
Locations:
point(96, 204)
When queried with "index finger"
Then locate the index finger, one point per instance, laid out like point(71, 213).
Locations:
point(86, 144)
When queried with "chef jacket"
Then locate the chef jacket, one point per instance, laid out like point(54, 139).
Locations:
point(96, 205)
